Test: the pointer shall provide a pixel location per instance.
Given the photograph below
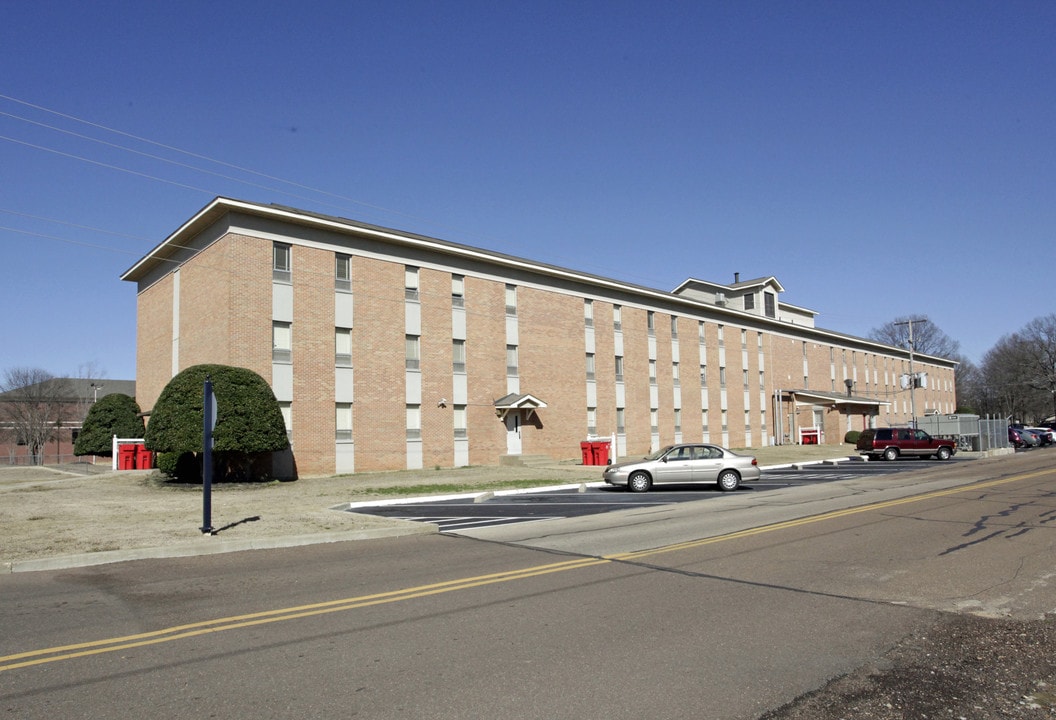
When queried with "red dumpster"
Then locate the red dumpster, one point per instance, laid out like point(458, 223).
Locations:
point(588, 453)
point(600, 452)
point(126, 457)
point(144, 458)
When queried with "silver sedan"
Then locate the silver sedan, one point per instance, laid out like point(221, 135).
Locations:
point(686, 463)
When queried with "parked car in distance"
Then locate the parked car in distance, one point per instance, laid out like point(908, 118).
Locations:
point(1021, 437)
point(1046, 435)
point(684, 463)
point(892, 443)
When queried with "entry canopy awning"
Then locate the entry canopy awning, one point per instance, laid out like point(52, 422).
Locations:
point(513, 401)
point(837, 400)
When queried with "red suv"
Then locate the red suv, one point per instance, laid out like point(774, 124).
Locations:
point(889, 443)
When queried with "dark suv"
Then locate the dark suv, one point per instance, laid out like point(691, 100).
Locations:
point(889, 443)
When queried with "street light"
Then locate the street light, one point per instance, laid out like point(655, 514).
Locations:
point(95, 388)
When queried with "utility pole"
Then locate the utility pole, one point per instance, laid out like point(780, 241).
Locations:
point(912, 375)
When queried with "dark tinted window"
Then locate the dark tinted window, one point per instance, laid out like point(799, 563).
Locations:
point(883, 434)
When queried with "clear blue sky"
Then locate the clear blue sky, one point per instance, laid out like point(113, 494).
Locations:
point(879, 159)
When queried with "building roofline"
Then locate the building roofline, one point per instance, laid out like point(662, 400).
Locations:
point(221, 206)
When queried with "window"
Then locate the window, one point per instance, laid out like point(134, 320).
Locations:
point(700, 331)
point(410, 283)
point(458, 419)
point(762, 380)
point(722, 377)
point(511, 300)
point(414, 422)
point(674, 327)
point(725, 425)
point(620, 421)
point(590, 366)
point(286, 408)
point(654, 420)
point(674, 374)
point(650, 322)
point(749, 302)
point(619, 368)
point(343, 347)
point(413, 344)
point(511, 361)
point(652, 372)
point(342, 273)
point(703, 376)
point(458, 291)
point(458, 356)
point(280, 262)
point(343, 421)
point(678, 419)
point(744, 338)
point(770, 304)
point(704, 419)
point(744, 373)
point(617, 317)
point(722, 334)
point(588, 313)
point(281, 338)
point(592, 421)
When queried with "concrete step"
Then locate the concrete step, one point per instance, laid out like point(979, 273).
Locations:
point(527, 460)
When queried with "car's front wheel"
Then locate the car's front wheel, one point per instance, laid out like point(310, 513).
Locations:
point(729, 480)
point(639, 482)
point(943, 453)
point(891, 454)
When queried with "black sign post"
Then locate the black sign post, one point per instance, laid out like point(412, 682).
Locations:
point(209, 422)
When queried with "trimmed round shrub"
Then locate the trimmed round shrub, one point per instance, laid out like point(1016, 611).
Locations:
point(114, 414)
point(851, 437)
point(248, 421)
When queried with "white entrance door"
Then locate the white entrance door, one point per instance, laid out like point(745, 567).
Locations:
point(513, 433)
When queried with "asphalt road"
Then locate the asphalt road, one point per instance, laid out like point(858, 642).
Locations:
point(716, 609)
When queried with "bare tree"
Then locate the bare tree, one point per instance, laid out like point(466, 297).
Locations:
point(33, 406)
point(1039, 367)
point(928, 338)
point(1008, 392)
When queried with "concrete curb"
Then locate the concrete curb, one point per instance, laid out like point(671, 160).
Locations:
point(214, 545)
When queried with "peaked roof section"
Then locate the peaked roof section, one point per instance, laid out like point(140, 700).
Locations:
point(695, 284)
point(513, 401)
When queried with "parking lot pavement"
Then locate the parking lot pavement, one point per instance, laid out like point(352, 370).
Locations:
point(453, 514)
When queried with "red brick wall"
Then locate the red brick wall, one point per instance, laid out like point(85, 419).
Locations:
point(313, 359)
point(378, 358)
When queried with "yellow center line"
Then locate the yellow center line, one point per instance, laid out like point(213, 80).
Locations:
point(179, 632)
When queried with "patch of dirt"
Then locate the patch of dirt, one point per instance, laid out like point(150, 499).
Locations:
point(965, 668)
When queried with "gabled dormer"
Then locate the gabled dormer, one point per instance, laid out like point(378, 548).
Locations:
point(757, 296)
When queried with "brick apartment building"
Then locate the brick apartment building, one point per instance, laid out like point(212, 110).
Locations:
point(389, 350)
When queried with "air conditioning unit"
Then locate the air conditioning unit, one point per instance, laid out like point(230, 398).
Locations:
point(720, 298)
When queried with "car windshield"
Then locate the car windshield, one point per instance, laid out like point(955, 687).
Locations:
point(659, 453)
